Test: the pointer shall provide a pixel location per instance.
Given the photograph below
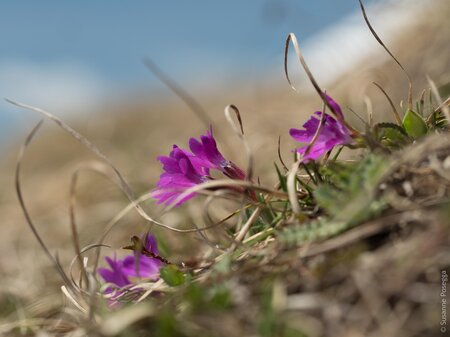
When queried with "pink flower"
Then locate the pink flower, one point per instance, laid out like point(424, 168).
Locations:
point(181, 173)
point(184, 169)
point(333, 132)
point(121, 272)
point(208, 155)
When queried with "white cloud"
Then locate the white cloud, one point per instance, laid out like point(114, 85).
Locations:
point(341, 47)
point(61, 88)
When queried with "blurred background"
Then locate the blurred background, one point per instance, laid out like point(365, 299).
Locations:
point(83, 61)
point(81, 58)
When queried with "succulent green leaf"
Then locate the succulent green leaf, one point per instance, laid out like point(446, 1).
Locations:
point(414, 124)
point(172, 275)
point(391, 135)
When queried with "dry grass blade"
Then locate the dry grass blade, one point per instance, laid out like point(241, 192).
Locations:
point(117, 322)
point(394, 110)
point(374, 33)
point(177, 89)
point(292, 187)
point(317, 133)
point(240, 133)
point(249, 173)
point(72, 299)
point(153, 287)
point(369, 109)
point(25, 210)
point(238, 116)
point(124, 186)
point(208, 220)
point(244, 230)
point(92, 298)
point(422, 101)
point(73, 225)
point(291, 179)
point(75, 259)
point(366, 124)
point(293, 38)
point(104, 170)
point(279, 154)
point(223, 183)
point(443, 106)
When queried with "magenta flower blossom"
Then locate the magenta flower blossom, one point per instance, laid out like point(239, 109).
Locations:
point(332, 133)
point(147, 267)
point(184, 169)
point(115, 275)
point(121, 272)
point(181, 173)
point(209, 156)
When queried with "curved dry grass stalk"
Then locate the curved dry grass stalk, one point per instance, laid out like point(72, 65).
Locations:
point(317, 133)
point(178, 90)
point(152, 288)
point(29, 221)
point(422, 101)
point(72, 203)
point(292, 187)
point(72, 300)
point(224, 183)
point(244, 230)
point(144, 197)
point(397, 117)
point(99, 167)
point(76, 258)
point(92, 298)
point(366, 124)
point(292, 175)
point(369, 109)
point(123, 184)
point(443, 106)
point(240, 133)
point(292, 38)
point(377, 37)
point(141, 199)
point(279, 154)
point(211, 223)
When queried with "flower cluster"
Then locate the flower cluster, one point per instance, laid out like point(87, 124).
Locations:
point(333, 132)
point(184, 169)
point(121, 272)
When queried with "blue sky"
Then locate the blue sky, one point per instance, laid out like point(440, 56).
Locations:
point(111, 37)
point(57, 47)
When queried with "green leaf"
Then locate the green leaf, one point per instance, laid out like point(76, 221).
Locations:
point(350, 194)
point(349, 197)
point(172, 275)
point(414, 124)
point(223, 266)
point(282, 178)
point(391, 135)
